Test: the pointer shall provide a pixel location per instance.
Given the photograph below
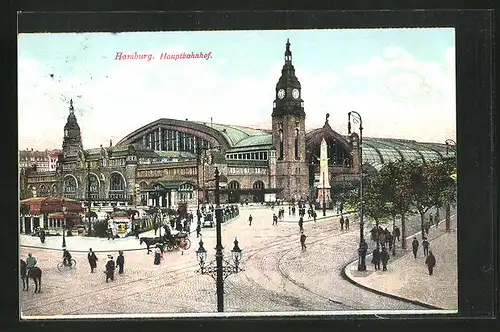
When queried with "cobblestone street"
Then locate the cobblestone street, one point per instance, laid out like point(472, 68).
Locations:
point(278, 276)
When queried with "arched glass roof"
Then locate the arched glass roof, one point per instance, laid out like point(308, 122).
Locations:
point(379, 151)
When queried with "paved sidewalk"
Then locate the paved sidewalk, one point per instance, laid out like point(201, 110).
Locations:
point(408, 278)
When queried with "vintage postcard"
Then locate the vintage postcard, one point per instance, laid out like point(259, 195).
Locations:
point(237, 173)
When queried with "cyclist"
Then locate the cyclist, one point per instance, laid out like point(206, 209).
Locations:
point(66, 258)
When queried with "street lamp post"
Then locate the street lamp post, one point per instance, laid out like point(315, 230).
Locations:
point(356, 118)
point(220, 271)
point(450, 145)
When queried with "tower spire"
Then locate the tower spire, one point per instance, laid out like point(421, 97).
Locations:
point(71, 109)
point(288, 53)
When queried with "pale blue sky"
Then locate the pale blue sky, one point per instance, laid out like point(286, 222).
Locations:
point(402, 81)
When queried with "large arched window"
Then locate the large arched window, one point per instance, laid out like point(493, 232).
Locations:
point(258, 185)
point(116, 186)
point(233, 185)
point(93, 186)
point(70, 187)
point(43, 191)
point(53, 190)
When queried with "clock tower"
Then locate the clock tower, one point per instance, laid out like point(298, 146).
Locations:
point(72, 142)
point(289, 139)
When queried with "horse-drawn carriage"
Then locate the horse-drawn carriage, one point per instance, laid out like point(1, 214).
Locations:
point(169, 241)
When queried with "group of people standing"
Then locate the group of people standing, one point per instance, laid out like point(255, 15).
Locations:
point(110, 264)
point(344, 222)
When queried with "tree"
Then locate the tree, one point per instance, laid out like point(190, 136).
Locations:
point(375, 198)
point(426, 184)
point(397, 176)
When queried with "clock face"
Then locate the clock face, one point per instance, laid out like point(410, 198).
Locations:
point(295, 93)
point(281, 94)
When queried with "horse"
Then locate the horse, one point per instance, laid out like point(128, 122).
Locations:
point(149, 241)
point(35, 273)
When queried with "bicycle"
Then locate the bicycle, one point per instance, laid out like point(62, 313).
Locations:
point(62, 265)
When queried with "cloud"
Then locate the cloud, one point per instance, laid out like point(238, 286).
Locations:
point(396, 93)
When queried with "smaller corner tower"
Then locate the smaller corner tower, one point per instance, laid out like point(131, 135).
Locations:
point(72, 141)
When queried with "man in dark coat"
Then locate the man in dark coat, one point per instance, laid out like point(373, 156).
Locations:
point(425, 245)
point(301, 224)
point(136, 231)
point(120, 261)
point(314, 214)
point(390, 240)
point(92, 260)
point(110, 269)
point(250, 220)
point(341, 223)
point(376, 258)
point(384, 257)
point(430, 261)
point(414, 246)
point(198, 230)
point(303, 241)
point(346, 221)
point(155, 227)
point(396, 232)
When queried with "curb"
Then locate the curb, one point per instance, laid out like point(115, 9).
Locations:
point(415, 302)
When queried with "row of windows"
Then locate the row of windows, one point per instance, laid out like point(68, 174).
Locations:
point(173, 140)
point(166, 171)
point(41, 179)
point(247, 156)
point(117, 162)
point(234, 185)
point(246, 170)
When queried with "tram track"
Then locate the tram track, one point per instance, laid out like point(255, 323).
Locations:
point(185, 273)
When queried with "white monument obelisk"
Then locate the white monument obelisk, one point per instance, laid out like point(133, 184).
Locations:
point(324, 181)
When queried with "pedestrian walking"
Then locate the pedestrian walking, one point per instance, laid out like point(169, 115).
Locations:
point(157, 256)
point(137, 231)
point(303, 240)
point(425, 245)
point(289, 210)
point(198, 230)
point(155, 227)
point(384, 257)
point(275, 219)
point(301, 224)
point(376, 258)
point(314, 215)
point(414, 246)
point(430, 261)
point(110, 269)
point(390, 239)
point(346, 221)
point(250, 220)
point(341, 223)
point(396, 232)
point(110, 233)
point(120, 261)
point(92, 258)
point(427, 227)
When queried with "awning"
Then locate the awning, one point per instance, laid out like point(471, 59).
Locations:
point(61, 215)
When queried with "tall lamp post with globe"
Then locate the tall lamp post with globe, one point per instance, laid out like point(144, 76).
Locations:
point(356, 118)
point(220, 271)
point(64, 223)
